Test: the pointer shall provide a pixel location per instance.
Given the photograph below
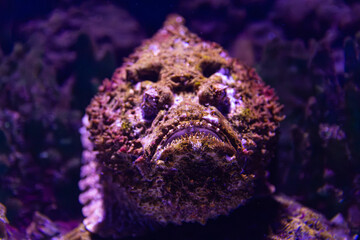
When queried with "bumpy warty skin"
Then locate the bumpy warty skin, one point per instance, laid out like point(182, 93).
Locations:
point(180, 133)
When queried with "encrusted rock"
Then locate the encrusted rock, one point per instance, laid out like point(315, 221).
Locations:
point(42, 228)
point(298, 222)
point(3, 222)
point(79, 233)
point(8, 232)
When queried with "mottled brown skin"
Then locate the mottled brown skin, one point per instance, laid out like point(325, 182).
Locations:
point(181, 133)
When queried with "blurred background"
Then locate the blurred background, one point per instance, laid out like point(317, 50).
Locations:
point(54, 55)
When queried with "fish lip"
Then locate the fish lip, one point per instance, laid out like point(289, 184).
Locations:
point(190, 130)
point(200, 124)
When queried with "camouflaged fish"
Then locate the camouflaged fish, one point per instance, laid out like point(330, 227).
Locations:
point(180, 133)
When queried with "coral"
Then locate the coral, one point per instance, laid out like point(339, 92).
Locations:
point(39, 138)
point(3, 222)
point(6, 230)
point(42, 86)
point(84, 42)
point(79, 233)
point(181, 133)
point(298, 222)
point(319, 139)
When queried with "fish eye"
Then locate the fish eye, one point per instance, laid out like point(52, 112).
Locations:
point(215, 95)
point(149, 104)
point(154, 99)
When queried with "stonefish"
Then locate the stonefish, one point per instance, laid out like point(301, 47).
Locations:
point(180, 133)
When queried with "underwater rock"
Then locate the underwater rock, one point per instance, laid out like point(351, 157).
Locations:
point(3, 222)
point(42, 228)
point(181, 133)
point(79, 233)
point(298, 222)
point(8, 232)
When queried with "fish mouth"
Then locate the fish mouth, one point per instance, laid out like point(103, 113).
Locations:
point(192, 131)
point(195, 139)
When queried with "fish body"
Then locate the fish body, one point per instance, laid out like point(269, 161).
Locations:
point(182, 132)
